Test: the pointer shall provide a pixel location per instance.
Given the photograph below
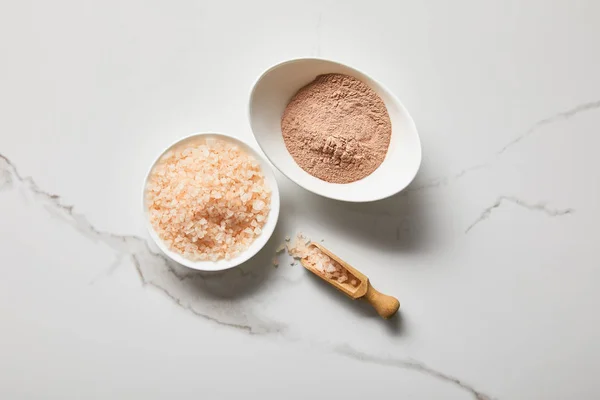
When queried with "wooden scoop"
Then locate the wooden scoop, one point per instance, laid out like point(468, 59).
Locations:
point(385, 305)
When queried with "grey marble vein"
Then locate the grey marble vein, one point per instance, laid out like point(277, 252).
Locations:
point(444, 180)
point(110, 270)
point(532, 207)
point(549, 120)
point(5, 175)
point(181, 285)
point(414, 365)
point(561, 116)
point(184, 305)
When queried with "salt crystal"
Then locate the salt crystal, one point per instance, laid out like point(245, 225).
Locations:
point(245, 197)
point(258, 205)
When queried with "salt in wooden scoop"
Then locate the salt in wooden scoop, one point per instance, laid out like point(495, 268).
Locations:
point(385, 305)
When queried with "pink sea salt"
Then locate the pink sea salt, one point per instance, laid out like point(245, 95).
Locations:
point(207, 199)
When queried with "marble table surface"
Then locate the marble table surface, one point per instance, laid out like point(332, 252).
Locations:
point(493, 251)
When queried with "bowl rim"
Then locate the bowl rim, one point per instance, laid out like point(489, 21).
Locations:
point(246, 255)
point(410, 121)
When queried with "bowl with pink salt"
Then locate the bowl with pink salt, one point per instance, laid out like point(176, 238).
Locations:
point(334, 130)
point(211, 201)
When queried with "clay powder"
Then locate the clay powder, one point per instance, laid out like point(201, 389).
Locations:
point(337, 128)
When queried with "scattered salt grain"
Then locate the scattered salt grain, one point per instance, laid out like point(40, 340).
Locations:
point(299, 247)
point(207, 199)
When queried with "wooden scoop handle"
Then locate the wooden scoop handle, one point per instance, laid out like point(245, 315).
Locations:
point(385, 305)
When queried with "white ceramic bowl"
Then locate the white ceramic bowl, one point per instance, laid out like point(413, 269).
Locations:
point(272, 92)
point(258, 243)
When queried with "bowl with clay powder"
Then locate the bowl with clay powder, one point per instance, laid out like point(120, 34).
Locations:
point(334, 130)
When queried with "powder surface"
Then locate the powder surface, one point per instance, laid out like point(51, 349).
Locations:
point(337, 128)
point(207, 199)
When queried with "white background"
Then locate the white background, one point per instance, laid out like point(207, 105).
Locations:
point(493, 251)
